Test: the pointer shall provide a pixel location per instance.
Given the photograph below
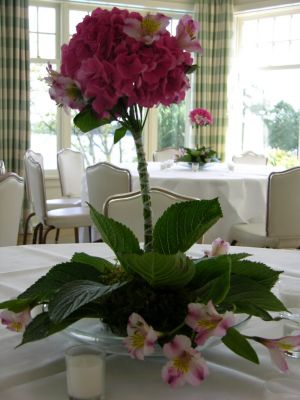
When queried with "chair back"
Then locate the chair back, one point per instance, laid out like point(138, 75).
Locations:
point(249, 157)
point(104, 180)
point(2, 167)
point(11, 200)
point(168, 153)
point(128, 208)
point(36, 183)
point(37, 157)
point(70, 165)
point(283, 210)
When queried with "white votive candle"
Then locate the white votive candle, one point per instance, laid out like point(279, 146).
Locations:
point(85, 369)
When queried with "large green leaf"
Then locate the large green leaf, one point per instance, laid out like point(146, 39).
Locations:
point(87, 120)
point(174, 270)
point(58, 275)
point(119, 134)
point(245, 291)
point(74, 295)
point(182, 224)
point(118, 236)
point(239, 345)
point(15, 305)
point(99, 263)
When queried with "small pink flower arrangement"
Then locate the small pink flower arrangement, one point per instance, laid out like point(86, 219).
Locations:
point(201, 117)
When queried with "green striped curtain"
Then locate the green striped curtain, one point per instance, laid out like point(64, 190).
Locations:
point(216, 30)
point(14, 83)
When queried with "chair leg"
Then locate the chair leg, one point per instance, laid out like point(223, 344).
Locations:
point(50, 228)
point(57, 235)
point(26, 225)
point(76, 233)
point(35, 232)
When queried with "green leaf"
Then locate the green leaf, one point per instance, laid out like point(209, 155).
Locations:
point(47, 285)
point(252, 309)
point(119, 134)
point(257, 271)
point(245, 291)
point(191, 69)
point(15, 305)
point(239, 345)
point(87, 120)
point(118, 236)
point(99, 263)
point(74, 295)
point(174, 270)
point(182, 224)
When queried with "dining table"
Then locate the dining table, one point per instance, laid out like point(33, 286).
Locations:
point(36, 370)
point(240, 188)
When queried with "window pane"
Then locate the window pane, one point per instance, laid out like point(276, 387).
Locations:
point(33, 19)
point(282, 27)
point(295, 26)
point(33, 45)
point(46, 19)
point(47, 46)
point(98, 145)
point(42, 117)
point(171, 125)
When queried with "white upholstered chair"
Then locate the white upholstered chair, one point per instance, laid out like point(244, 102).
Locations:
point(168, 153)
point(51, 204)
point(127, 208)
point(104, 180)
point(67, 217)
point(282, 226)
point(11, 200)
point(70, 165)
point(249, 157)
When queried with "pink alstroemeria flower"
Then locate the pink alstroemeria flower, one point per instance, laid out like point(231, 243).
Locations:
point(186, 32)
point(148, 29)
point(219, 247)
point(141, 337)
point(201, 117)
point(277, 347)
point(207, 322)
point(186, 364)
point(16, 322)
point(64, 90)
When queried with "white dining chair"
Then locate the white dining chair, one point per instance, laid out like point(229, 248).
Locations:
point(168, 153)
point(60, 202)
point(105, 179)
point(281, 229)
point(70, 165)
point(250, 157)
point(127, 208)
point(66, 217)
point(11, 200)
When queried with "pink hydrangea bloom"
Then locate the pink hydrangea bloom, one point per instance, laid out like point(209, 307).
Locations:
point(207, 322)
point(218, 247)
point(186, 34)
point(200, 116)
point(15, 321)
point(141, 337)
point(186, 364)
point(148, 28)
point(116, 55)
point(277, 347)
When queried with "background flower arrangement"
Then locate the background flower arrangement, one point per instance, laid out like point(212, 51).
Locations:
point(117, 64)
point(201, 155)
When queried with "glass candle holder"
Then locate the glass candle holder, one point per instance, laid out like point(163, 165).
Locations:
point(291, 327)
point(85, 370)
point(195, 166)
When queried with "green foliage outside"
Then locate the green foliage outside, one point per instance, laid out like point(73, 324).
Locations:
point(281, 157)
point(171, 125)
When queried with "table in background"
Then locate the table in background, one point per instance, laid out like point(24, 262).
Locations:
point(242, 191)
point(35, 371)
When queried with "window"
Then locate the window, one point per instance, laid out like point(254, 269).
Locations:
point(265, 98)
point(52, 128)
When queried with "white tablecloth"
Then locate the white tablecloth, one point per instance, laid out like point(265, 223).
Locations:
point(36, 371)
point(242, 192)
